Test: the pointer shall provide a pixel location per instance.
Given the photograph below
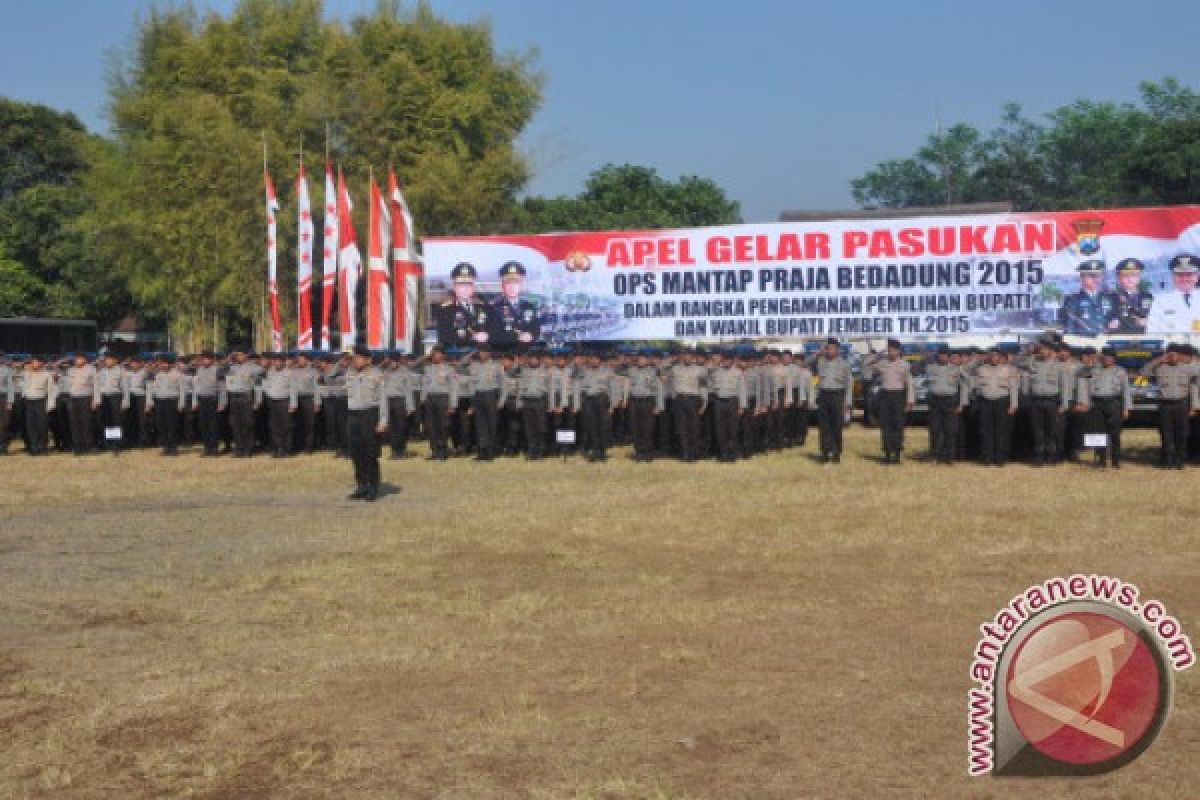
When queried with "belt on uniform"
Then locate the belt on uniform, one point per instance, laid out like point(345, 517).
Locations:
point(1162, 400)
point(823, 391)
point(363, 410)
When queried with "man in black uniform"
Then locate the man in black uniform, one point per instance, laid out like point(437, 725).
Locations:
point(1131, 305)
point(462, 321)
point(513, 320)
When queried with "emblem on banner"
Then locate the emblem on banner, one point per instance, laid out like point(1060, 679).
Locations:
point(577, 261)
point(1087, 235)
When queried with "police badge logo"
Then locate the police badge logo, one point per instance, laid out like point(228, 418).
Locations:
point(1087, 236)
point(577, 261)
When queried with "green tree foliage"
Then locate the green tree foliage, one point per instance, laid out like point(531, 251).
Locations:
point(49, 271)
point(179, 201)
point(630, 197)
point(1085, 155)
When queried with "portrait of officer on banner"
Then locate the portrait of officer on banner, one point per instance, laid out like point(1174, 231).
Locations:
point(1131, 303)
point(1177, 310)
point(514, 319)
point(462, 320)
point(1088, 311)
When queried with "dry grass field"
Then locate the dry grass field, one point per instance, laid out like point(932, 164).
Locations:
point(218, 628)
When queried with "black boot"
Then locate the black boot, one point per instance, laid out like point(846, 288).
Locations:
point(359, 493)
point(372, 493)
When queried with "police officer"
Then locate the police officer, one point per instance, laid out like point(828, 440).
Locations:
point(534, 391)
point(646, 402)
point(690, 398)
point(366, 420)
point(730, 388)
point(1047, 401)
point(800, 397)
point(278, 392)
point(1087, 312)
point(1131, 305)
point(114, 398)
point(835, 385)
point(1105, 395)
point(83, 392)
point(165, 400)
point(241, 386)
point(39, 388)
point(333, 402)
point(462, 321)
point(306, 380)
point(949, 393)
point(136, 375)
point(487, 384)
point(1177, 397)
point(439, 395)
point(401, 386)
point(510, 414)
point(8, 395)
point(897, 395)
point(207, 391)
point(997, 386)
point(597, 394)
point(512, 319)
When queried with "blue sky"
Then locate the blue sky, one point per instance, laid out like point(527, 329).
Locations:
point(782, 103)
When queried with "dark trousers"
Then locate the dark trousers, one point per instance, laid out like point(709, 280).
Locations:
point(241, 421)
point(210, 422)
point(666, 427)
point(335, 411)
point(1106, 419)
point(136, 434)
point(60, 424)
point(641, 424)
point(777, 433)
point(110, 417)
point(943, 426)
point(279, 424)
point(750, 428)
point(1173, 431)
point(362, 443)
point(37, 428)
point(306, 423)
point(437, 421)
point(398, 425)
point(995, 430)
point(533, 421)
point(597, 422)
point(797, 420)
point(727, 420)
point(166, 422)
point(687, 418)
point(5, 420)
point(484, 405)
point(79, 410)
point(831, 416)
point(892, 410)
point(510, 418)
point(1044, 424)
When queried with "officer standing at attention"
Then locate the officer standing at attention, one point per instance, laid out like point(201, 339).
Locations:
point(688, 378)
point(534, 390)
point(439, 394)
point(165, 399)
point(897, 395)
point(366, 420)
point(487, 383)
point(1105, 395)
point(39, 388)
point(1177, 397)
point(1043, 384)
point(597, 394)
point(997, 386)
point(83, 398)
point(835, 385)
point(308, 402)
point(240, 390)
point(114, 398)
point(136, 375)
point(401, 387)
point(8, 396)
point(206, 399)
point(279, 393)
point(646, 402)
point(729, 386)
point(800, 398)
point(949, 393)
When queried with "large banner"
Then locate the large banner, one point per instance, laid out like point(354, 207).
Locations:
point(927, 276)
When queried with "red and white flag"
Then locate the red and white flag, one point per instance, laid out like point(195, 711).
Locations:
point(329, 261)
point(272, 262)
point(379, 300)
point(405, 266)
point(304, 248)
point(349, 268)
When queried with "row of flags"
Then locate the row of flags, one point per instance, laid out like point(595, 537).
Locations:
point(393, 267)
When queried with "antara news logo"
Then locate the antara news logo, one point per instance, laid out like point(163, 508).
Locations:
point(1073, 677)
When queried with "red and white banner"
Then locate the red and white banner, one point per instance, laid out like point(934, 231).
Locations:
point(329, 256)
point(272, 264)
point(379, 299)
point(905, 278)
point(406, 269)
point(349, 268)
point(304, 248)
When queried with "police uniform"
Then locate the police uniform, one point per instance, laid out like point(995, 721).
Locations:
point(997, 387)
point(39, 390)
point(136, 430)
point(487, 384)
point(1177, 396)
point(165, 400)
point(439, 395)
point(7, 403)
point(333, 405)
point(83, 393)
point(240, 388)
point(646, 403)
point(401, 386)
point(207, 390)
point(534, 390)
point(1105, 393)
point(308, 405)
point(366, 412)
point(800, 384)
point(278, 392)
point(1131, 310)
point(689, 400)
point(596, 394)
point(462, 324)
point(729, 387)
point(1086, 313)
point(835, 385)
point(949, 393)
point(512, 323)
point(1043, 383)
point(896, 395)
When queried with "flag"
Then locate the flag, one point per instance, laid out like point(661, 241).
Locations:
point(304, 228)
point(272, 259)
point(329, 261)
point(406, 267)
point(379, 300)
point(349, 268)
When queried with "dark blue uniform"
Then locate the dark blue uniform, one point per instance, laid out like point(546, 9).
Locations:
point(1086, 314)
point(1130, 311)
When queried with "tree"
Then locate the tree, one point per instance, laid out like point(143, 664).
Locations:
point(179, 197)
point(1087, 154)
point(630, 197)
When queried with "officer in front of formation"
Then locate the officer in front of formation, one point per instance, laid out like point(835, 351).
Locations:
point(835, 385)
point(513, 320)
point(366, 421)
point(897, 396)
point(462, 320)
point(1104, 394)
